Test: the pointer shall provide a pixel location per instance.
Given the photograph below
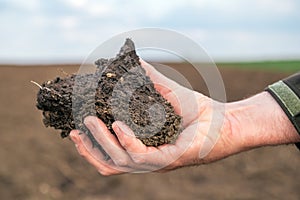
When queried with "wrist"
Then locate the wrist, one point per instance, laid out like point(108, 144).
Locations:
point(260, 121)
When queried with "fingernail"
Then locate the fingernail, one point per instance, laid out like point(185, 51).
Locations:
point(88, 120)
point(74, 138)
point(124, 128)
point(90, 123)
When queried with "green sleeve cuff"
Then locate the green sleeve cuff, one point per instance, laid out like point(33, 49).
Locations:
point(288, 100)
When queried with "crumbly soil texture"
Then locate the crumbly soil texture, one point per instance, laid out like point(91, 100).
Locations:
point(118, 90)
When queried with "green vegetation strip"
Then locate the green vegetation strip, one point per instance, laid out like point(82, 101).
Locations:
point(279, 66)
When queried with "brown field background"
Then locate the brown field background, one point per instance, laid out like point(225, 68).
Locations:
point(37, 164)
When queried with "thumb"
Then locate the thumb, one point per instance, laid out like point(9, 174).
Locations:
point(158, 78)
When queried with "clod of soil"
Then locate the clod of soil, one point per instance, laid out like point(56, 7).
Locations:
point(118, 90)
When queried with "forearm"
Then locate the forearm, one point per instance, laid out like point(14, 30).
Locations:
point(260, 121)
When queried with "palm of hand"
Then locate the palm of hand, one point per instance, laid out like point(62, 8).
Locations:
point(129, 154)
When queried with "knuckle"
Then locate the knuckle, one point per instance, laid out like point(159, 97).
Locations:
point(103, 173)
point(81, 152)
point(122, 162)
point(176, 164)
point(138, 159)
point(125, 144)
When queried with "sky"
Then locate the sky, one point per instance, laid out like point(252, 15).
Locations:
point(68, 30)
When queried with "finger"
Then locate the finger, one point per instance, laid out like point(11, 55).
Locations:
point(108, 141)
point(179, 96)
point(165, 86)
point(166, 156)
point(145, 158)
point(81, 138)
point(127, 138)
point(159, 79)
point(101, 165)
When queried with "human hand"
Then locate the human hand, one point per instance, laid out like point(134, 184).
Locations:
point(206, 136)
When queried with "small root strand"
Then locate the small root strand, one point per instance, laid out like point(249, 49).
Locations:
point(41, 87)
point(35, 83)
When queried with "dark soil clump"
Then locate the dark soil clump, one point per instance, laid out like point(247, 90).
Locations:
point(118, 90)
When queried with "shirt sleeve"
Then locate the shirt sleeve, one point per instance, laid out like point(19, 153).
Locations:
point(287, 94)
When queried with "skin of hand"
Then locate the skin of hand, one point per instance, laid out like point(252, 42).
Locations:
point(212, 131)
